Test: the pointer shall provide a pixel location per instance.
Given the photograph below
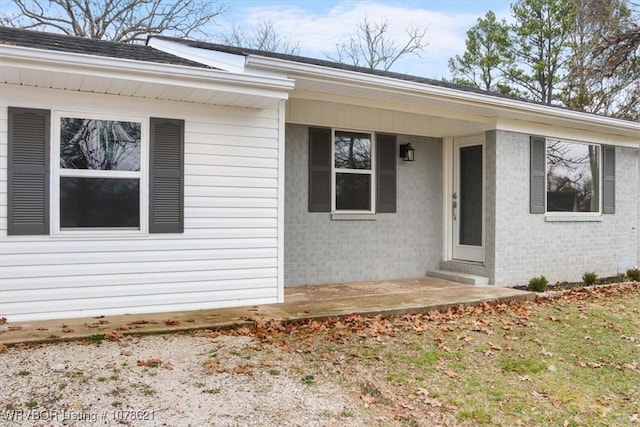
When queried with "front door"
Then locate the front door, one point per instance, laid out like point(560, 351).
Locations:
point(468, 198)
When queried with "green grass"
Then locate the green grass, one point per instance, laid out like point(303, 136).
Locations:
point(570, 361)
point(520, 365)
point(96, 339)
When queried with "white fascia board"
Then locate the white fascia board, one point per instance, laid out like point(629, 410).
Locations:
point(220, 60)
point(494, 104)
point(550, 130)
point(128, 69)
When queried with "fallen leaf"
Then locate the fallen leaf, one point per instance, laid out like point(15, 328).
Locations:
point(14, 328)
point(367, 399)
point(3, 348)
point(167, 366)
point(422, 392)
point(126, 352)
point(451, 374)
point(211, 365)
point(114, 336)
point(398, 413)
point(495, 347)
point(151, 363)
point(171, 322)
point(68, 330)
point(241, 369)
point(3, 320)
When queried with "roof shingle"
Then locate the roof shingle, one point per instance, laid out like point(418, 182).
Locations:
point(71, 44)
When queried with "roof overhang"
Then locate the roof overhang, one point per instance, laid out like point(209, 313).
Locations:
point(490, 112)
point(124, 77)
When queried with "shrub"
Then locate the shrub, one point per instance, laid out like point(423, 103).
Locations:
point(589, 278)
point(634, 274)
point(538, 284)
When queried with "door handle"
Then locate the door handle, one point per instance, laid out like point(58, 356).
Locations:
point(454, 205)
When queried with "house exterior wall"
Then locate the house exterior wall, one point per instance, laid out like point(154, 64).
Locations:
point(407, 243)
point(490, 204)
point(228, 254)
point(524, 245)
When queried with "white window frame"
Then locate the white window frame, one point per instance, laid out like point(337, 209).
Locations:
point(335, 171)
point(572, 216)
point(57, 172)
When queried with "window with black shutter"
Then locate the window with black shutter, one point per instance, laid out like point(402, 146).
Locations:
point(351, 171)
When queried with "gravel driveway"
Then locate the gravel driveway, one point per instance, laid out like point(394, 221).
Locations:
point(172, 380)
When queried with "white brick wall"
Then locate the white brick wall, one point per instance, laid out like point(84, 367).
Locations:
point(403, 244)
point(525, 245)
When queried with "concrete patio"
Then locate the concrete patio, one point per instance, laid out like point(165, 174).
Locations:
point(365, 298)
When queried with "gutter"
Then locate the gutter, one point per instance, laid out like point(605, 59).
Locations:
point(134, 70)
point(389, 84)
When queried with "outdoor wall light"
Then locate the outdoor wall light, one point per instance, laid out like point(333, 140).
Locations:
point(407, 152)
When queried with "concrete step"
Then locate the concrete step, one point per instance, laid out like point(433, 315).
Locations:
point(455, 276)
point(475, 268)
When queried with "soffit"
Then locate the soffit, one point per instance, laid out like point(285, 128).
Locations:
point(440, 100)
point(452, 107)
point(74, 72)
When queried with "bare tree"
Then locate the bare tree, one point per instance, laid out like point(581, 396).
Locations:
point(604, 70)
point(264, 37)
point(117, 20)
point(371, 46)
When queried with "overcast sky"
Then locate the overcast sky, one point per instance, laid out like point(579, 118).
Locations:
point(318, 25)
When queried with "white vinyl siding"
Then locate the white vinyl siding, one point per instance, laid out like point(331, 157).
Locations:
point(227, 255)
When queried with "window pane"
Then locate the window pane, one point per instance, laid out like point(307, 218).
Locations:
point(573, 177)
point(99, 202)
point(353, 150)
point(470, 232)
point(99, 144)
point(353, 192)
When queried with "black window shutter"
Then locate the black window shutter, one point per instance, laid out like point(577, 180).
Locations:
point(28, 171)
point(609, 181)
point(386, 173)
point(166, 176)
point(537, 192)
point(319, 170)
